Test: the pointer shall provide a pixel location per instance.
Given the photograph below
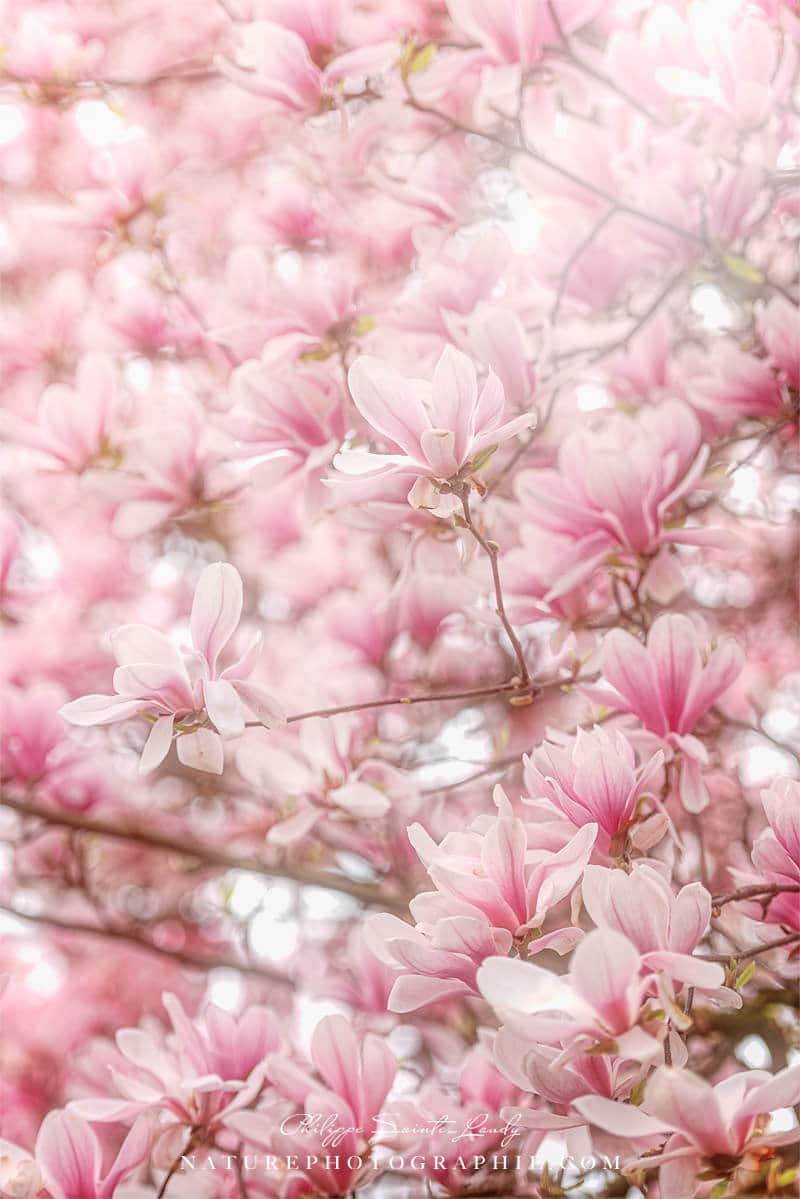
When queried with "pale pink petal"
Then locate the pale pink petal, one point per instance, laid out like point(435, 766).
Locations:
point(620, 1119)
point(132, 1152)
point(216, 610)
point(412, 992)
point(628, 667)
point(361, 800)
point(677, 1178)
point(722, 668)
point(605, 973)
point(438, 447)
point(68, 1155)
point(101, 709)
point(201, 751)
point(261, 703)
point(781, 1091)
point(134, 643)
point(687, 1104)
point(672, 646)
point(454, 399)
point(385, 400)
point(224, 707)
point(156, 747)
point(685, 968)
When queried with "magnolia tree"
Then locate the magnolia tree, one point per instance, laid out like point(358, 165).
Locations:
point(401, 683)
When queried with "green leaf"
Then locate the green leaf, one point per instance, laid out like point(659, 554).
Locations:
point(421, 60)
point(719, 1189)
point(742, 269)
point(786, 1177)
point(745, 975)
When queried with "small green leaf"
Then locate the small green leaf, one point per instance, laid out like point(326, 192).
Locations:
point(742, 269)
point(786, 1177)
point(719, 1190)
point(745, 975)
point(421, 60)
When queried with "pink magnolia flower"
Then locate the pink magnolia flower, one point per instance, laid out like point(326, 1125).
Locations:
point(274, 62)
point(492, 868)
point(776, 853)
point(590, 778)
point(727, 384)
point(452, 1130)
point(355, 1076)
point(710, 1127)
point(437, 432)
point(665, 928)
point(491, 889)
point(600, 1000)
point(614, 489)
point(194, 1077)
point(559, 1078)
point(316, 773)
point(69, 1156)
point(670, 687)
point(168, 685)
point(603, 998)
point(75, 425)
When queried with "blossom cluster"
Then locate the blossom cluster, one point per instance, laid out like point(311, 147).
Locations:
point(400, 749)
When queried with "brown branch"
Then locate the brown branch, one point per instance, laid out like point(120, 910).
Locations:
point(131, 937)
point(746, 954)
point(491, 549)
point(366, 893)
point(756, 891)
point(364, 705)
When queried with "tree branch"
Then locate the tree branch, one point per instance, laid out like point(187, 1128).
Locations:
point(366, 893)
point(192, 961)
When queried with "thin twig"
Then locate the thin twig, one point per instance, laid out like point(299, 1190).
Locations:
point(492, 550)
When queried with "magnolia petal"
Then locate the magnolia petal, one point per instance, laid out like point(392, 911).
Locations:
point(224, 707)
point(201, 750)
point(101, 709)
point(156, 747)
point(216, 610)
point(620, 1119)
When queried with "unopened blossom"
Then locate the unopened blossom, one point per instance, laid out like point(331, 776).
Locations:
point(185, 690)
point(670, 684)
point(437, 432)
